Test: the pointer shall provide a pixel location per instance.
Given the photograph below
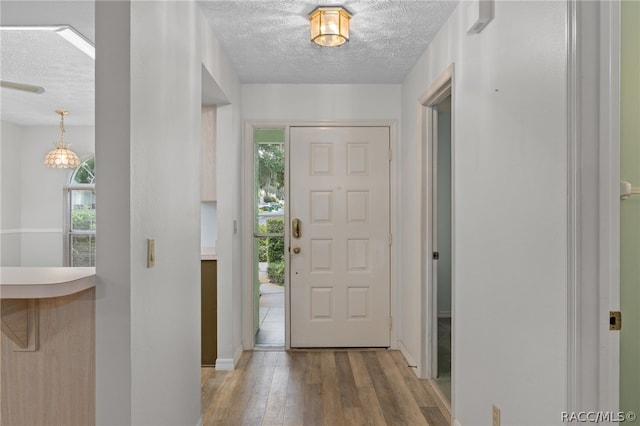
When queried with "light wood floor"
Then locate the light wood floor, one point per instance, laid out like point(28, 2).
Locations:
point(324, 387)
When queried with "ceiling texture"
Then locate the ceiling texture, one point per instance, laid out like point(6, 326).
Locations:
point(267, 41)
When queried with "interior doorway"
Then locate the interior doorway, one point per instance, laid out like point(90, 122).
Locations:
point(437, 231)
point(441, 236)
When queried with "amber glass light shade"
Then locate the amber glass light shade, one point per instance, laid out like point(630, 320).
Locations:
point(329, 26)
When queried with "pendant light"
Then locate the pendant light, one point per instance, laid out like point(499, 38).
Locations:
point(62, 157)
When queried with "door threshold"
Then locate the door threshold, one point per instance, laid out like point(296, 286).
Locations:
point(267, 348)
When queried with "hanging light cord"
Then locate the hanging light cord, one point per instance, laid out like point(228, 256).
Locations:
point(62, 113)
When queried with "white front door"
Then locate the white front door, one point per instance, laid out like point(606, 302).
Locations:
point(340, 264)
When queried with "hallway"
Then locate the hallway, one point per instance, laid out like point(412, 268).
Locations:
point(330, 387)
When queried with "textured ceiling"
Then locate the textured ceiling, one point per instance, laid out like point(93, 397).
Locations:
point(45, 59)
point(267, 41)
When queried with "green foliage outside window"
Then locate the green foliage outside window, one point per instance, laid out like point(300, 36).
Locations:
point(83, 218)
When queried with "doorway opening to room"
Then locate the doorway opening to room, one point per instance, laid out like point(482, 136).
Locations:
point(269, 237)
point(441, 240)
point(438, 228)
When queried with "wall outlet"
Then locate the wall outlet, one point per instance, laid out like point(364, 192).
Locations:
point(496, 415)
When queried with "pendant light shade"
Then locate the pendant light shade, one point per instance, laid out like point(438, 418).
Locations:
point(61, 157)
point(329, 26)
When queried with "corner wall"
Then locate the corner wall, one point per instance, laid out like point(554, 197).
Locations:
point(148, 147)
point(510, 211)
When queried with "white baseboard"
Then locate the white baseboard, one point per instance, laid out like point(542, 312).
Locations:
point(455, 422)
point(228, 364)
point(224, 364)
point(410, 360)
point(237, 355)
point(199, 422)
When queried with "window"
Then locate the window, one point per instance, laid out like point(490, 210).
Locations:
point(80, 216)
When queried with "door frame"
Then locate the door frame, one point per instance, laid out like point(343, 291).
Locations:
point(438, 90)
point(247, 220)
point(593, 204)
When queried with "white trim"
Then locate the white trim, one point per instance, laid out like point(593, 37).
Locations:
point(572, 208)
point(200, 422)
point(247, 265)
point(228, 364)
point(31, 231)
point(455, 422)
point(609, 244)
point(593, 204)
point(407, 356)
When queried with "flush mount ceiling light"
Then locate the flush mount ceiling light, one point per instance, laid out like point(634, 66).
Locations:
point(329, 26)
point(62, 157)
point(67, 32)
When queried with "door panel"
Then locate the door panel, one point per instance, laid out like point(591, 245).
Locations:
point(340, 276)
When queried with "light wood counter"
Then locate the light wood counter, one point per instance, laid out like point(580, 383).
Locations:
point(39, 283)
point(47, 373)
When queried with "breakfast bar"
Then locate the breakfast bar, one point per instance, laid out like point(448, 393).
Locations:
point(47, 372)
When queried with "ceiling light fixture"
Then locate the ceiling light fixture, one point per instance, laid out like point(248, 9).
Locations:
point(329, 26)
point(62, 157)
point(67, 32)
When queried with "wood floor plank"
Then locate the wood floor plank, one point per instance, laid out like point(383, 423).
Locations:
point(405, 399)
point(215, 410)
point(313, 407)
point(434, 416)
point(260, 390)
point(332, 410)
point(317, 388)
point(294, 406)
point(276, 400)
point(313, 373)
point(384, 392)
point(419, 392)
point(242, 392)
point(366, 394)
point(347, 385)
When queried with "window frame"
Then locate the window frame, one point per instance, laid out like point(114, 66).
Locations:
point(68, 231)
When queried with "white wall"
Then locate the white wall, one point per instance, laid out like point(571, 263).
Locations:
point(510, 173)
point(149, 98)
point(10, 199)
point(336, 102)
point(229, 200)
point(209, 225)
point(34, 201)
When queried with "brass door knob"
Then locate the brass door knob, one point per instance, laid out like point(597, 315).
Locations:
point(296, 250)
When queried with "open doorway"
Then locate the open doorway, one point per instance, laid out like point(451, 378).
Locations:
point(437, 225)
point(269, 238)
point(441, 235)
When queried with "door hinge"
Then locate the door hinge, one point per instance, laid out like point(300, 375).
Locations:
point(390, 323)
point(390, 239)
point(390, 155)
point(615, 320)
